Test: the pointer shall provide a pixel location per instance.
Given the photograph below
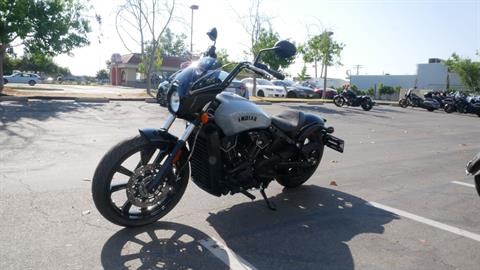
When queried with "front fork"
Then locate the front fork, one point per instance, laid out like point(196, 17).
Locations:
point(175, 154)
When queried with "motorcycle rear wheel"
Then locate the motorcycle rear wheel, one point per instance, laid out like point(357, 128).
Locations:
point(107, 187)
point(449, 108)
point(367, 105)
point(294, 177)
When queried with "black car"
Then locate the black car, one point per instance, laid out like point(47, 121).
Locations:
point(296, 90)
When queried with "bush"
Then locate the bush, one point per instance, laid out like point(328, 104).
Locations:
point(385, 90)
point(370, 91)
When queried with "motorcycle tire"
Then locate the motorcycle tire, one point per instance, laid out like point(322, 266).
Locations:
point(367, 105)
point(477, 184)
point(338, 101)
point(294, 177)
point(430, 109)
point(449, 108)
point(113, 163)
point(403, 103)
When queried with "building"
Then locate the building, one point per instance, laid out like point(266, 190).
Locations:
point(124, 69)
point(433, 75)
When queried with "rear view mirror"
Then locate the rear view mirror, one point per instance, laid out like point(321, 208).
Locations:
point(212, 34)
point(285, 49)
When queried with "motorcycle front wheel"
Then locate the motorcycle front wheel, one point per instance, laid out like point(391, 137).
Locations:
point(119, 185)
point(449, 108)
point(338, 101)
point(403, 103)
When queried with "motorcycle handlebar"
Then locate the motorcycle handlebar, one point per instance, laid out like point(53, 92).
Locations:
point(274, 73)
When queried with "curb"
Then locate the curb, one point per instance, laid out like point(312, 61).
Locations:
point(93, 100)
point(13, 98)
point(262, 103)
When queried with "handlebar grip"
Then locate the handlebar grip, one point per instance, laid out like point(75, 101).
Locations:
point(274, 73)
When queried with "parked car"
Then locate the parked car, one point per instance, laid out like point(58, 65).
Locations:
point(239, 88)
point(295, 90)
point(29, 78)
point(317, 86)
point(265, 88)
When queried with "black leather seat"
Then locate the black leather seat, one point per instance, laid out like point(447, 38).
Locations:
point(289, 122)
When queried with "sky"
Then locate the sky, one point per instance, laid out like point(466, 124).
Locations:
point(383, 36)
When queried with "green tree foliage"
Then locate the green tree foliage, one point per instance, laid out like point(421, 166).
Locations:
point(388, 90)
point(468, 70)
point(267, 39)
point(303, 75)
point(172, 44)
point(38, 63)
point(42, 26)
point(322, 48)
point(102, 74)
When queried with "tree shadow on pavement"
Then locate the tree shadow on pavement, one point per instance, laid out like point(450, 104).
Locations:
point(12, 114)
point(308, 231)
point(162, 245)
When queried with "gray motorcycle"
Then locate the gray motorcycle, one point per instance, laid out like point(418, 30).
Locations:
point(228, 146)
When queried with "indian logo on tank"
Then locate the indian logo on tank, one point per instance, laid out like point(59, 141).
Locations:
point(247, 118)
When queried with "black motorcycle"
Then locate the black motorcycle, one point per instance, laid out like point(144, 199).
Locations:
point(229, 145)
point(436, 95)
point(349, 98)
point(473, 168)
point(411, 99)
point(460, 103)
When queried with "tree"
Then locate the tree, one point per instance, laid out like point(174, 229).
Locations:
point(102, 74)
point(172, 44)
point(267, 39)
point(468, 70)
point(139, 21)
point(42, 26)
point(323, 48)
point(303, 76)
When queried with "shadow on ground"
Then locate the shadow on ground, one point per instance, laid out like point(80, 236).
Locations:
point(162, 245)
point(308, 231)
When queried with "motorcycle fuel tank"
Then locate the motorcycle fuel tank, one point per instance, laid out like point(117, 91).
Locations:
point(236, 114)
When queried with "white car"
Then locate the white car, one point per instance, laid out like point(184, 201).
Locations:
point(265, 88)
point(29, 78)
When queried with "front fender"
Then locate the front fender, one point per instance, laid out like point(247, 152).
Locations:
point(156, 136)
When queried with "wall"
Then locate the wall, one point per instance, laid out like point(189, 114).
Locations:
point(364, 82)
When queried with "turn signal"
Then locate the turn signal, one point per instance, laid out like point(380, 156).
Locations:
point(204, 118)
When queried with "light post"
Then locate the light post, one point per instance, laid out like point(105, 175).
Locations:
point(192, 7)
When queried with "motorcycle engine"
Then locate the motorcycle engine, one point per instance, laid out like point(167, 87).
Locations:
point(240, 153)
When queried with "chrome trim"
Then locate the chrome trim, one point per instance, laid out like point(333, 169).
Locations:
point(188, 131)
point(169, 121)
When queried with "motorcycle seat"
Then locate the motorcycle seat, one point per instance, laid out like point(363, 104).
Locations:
point(289, 121)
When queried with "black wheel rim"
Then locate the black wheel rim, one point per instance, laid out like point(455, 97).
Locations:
point(147, 155)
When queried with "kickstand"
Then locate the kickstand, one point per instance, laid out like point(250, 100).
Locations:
point(270, 204)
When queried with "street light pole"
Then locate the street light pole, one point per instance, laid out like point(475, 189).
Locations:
point(192, 7)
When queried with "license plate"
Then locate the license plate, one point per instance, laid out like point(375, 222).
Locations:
point(335, 143)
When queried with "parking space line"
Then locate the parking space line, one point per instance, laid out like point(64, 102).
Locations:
point(226, 255)
point(463, 184)
point(427, 221)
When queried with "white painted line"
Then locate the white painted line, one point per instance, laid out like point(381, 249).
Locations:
point(463, 184)
point(226, 255)
point(427, 221)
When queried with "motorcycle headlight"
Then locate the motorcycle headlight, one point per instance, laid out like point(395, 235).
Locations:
point(173, 100)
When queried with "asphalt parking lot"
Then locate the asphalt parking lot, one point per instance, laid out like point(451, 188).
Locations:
point(393, 200)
